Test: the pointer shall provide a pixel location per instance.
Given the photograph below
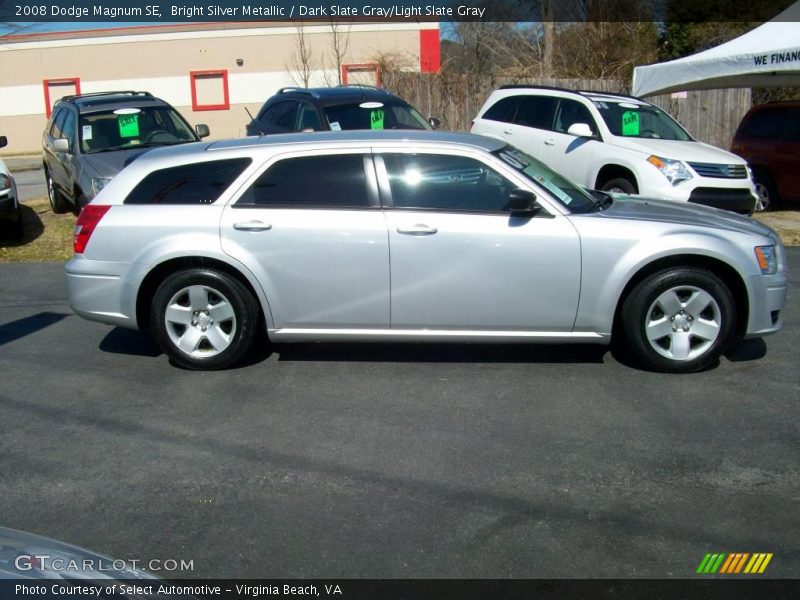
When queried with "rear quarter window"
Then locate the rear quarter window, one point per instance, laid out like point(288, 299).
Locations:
point(196, 183)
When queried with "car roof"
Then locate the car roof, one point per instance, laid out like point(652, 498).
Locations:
point(102, 101)
point(590, 94)
point(338, 95)
point(361, 136)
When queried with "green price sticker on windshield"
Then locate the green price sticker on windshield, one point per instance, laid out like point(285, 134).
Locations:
point(630, 123)
point(128, 125)
point(376, 119)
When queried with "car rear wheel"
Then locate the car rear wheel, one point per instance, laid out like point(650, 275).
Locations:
point(57, 202)
point(619, 185)
point(204, 319)
point(678, 320)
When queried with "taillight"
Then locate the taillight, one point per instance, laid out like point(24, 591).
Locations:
point(89, 218)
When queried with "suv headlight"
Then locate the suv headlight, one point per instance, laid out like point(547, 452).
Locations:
point(98, 183)
point(674, 170)
point(5, 181)
point(767, 259)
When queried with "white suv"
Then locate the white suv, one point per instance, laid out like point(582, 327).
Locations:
point(616, 143)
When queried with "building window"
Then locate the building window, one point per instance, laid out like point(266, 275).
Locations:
point(58, 88)
point(364, 73)
point(210, 90)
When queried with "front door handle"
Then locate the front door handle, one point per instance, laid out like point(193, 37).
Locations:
point(508, 131)
point(418, 229)
point(252, 226)
point(549, 142)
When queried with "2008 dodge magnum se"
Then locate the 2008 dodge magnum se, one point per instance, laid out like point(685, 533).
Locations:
point(419, 236)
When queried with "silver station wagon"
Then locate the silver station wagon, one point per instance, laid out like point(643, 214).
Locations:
point(411, 236)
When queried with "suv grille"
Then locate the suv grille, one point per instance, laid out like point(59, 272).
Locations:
point(719, 171)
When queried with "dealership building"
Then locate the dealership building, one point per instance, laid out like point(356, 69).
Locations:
point(210, 72)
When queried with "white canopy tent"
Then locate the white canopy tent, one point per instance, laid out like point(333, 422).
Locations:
point(767, 56)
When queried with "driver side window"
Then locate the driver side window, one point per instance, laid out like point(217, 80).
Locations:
point(571, 112)
point(446, 183)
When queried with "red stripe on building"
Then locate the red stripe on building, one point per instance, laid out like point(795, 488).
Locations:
point(429, 51)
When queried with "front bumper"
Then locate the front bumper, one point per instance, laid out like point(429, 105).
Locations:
point(767, 300)
point(737, 200)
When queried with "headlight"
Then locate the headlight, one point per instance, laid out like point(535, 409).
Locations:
point(98, 183)
point(5, 181)
point(674, 170)
point(767, 259)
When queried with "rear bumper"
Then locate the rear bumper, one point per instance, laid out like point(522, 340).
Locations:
point(96, 291)
point(8, 203)
point(736, 200)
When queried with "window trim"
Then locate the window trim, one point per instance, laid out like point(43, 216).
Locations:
point(46, 83)
point(373, 197)
point(195, 75)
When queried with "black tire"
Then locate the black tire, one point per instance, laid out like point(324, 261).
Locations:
point(767, 193)
point(619, 185)
point(644, 306)
point(220, 288)
point(58, 204)
point(80, 202)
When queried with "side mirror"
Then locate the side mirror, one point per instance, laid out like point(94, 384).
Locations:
point(3, 141)
point(522, 202)
point(580, 130)
point(434, 122)
point(61, 145)
point(202, 130)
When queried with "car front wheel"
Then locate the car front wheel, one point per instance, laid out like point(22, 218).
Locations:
point(678, 320)
point(57, 202)
point(204, 319)
point(619, 185)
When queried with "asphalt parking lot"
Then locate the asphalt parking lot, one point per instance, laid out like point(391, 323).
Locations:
point(393, 461)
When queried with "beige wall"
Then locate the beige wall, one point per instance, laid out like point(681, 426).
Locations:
point(162, 65)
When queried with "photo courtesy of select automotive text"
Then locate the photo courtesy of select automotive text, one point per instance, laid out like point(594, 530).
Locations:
point(399, 299)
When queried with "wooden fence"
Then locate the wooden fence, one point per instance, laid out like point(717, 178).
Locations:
point(711, 116)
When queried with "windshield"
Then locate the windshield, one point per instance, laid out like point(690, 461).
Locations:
point(374, 115)
point(127, 128)
point(575, 198)
point(627, 119)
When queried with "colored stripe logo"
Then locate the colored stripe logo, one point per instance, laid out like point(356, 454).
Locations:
point(735, 563)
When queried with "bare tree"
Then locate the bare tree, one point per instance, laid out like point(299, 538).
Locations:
point(300, 63)
point(340, 44)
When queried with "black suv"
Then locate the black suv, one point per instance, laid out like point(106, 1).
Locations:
point(336, 108)
point(89, 138)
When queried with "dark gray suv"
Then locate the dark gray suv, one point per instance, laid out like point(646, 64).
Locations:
point(89, 138)
point(346, 107)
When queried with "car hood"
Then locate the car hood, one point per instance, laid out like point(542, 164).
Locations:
point(678, 150)
point(666, 211)
point(19, 550)
point(108, 164)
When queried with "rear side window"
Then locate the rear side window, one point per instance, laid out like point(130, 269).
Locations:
point(197, 183)
point(310, 181)
point(536, 111)
point(503, 110)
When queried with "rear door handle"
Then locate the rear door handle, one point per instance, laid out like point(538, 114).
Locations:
point(549, 142)
point(417, 230)
point(508, 131)
point(252, 226)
